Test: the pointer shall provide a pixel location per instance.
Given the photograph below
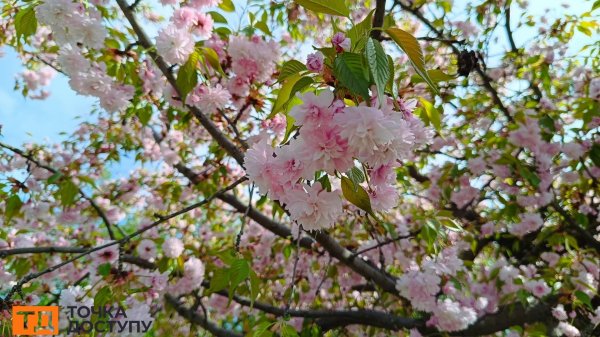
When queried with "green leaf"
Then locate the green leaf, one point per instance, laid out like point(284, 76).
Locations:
point(356, 194)
point(451, 224)
point(429, 233)
point(21, 267)
point(390, 83)
point(68, 191)
point(25, 22)
point(526, 173)
point(262, 328)
point(301, 85)
point(239, 271)
point(290, 68)
point(288, 330)
point(217, 17)
point(359, 33)
point(12, 207)
point(219, 280)
point(349, 70)
point(255, 284)
point(284, 94)
point(104, 269)
point(433, 115)
point(595, 154)
point(144, 114)
point(263, 27)
point(325, 183)
point(378, 63)
point(54, 178)
point(584, 298)
point(331, 7)
point(596, 5)
point(227, 5)
point(356, 175)
point(411, 47)
point(103, 297)
point(212, 57)
point(436, 76)
point(187, 76)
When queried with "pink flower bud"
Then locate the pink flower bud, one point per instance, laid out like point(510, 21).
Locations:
point(314, 62)
point(340, 42)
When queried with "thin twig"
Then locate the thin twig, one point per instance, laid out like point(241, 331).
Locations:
point(293, 282)
point(127, 238)
point(238, 238)
point(83, 195)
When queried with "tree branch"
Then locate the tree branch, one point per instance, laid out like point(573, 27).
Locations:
point(378, 19)
point(94, 205)
point(145, 42)
point(125, 239)
point(138, 261)
point(484, 77)
point(195, 318)
point(362, 267)
point(507, 316)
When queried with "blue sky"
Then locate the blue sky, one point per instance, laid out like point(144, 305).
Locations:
point(26, 120)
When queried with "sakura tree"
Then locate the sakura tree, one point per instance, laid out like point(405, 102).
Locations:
point(310, 167)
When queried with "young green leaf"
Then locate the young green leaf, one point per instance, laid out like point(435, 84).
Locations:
point(356, 175)
point(301, 85)
point(227, 5)
point(359, 33)
point(211, 56)
point(291, 67)
point(219, 280)
point(284, 94)
point(378, 63)
point(12, 208)
point(356, 194)
point(433, 115)
point(348, 68)
point(187, 76)
point(239, 271)
point(68, 191)
point(25, 22)
point(217, 17)
point(331, 7)
point(103, 297)
point(411, 47)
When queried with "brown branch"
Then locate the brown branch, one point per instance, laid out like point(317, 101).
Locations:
point(125, 239)
point(511, 40)
point(94, 205)
point(575, 229)
point(195, 318)
point(487, 81)
point(362, 267)
point(507, 316)
point(378, 19)
point(145, 42)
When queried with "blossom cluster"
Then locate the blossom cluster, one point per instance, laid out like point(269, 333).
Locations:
point(331, 138)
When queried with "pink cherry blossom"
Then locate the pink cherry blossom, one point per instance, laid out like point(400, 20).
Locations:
point(316, 208)
point(315, 110)
point(314, 62)
point(172, 247)
point(530, 222)
point(146, 249)
point(174, 44)
point(340, 42)
point(253, 59)
point(538, 288)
